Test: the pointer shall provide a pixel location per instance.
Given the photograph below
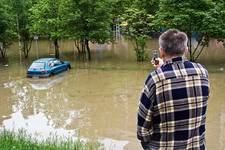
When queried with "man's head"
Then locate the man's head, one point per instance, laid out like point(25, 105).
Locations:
point(173, 43)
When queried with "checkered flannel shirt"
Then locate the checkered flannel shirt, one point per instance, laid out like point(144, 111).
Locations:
point(172, 107)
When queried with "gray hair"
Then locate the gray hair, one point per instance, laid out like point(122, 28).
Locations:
point(173, 42)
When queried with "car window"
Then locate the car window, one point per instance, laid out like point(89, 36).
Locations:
point(51, 64)
point(57, 62)
point(38, 65)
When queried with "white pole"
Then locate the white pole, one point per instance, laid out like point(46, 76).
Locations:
point(36, 39)
point(19, 40)
point(20, 50)
point(37, 49)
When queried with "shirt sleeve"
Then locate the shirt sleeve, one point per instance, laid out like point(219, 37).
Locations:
point(145, 110)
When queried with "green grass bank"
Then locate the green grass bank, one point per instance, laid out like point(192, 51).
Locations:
point(21, 141)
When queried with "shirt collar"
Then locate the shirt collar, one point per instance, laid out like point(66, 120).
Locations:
point(174, 60)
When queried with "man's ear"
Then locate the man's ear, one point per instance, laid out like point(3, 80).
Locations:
point(186, 52)
point(161, 52)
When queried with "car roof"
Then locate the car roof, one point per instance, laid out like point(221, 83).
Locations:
point(44, 60)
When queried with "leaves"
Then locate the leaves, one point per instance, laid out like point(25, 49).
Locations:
point(7, 32)
point(138, 27)
point(202, 17)
point(46, 18)
point(93, 20)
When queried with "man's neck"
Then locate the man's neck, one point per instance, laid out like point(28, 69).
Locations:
point(167, 58)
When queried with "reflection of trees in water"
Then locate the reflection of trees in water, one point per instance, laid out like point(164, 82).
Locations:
point(98, 103)
point(46, 83)
point(59, 107)
point(19, 97)
point(54, 102)
point(108, 98)
point(5, 103)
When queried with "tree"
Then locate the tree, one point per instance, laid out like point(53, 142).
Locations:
point(47, 20)
point(118, 8)
point(139, 25)
point(150, 6)
point(202, 18)
point(6, 32)
point(220, 15)
point(20, 10)
point(88, 21)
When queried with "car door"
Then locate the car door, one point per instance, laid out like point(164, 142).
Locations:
point(64, 66)
point(51, 67)
point(58, 67)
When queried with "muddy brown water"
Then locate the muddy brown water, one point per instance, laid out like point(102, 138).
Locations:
point(96, 100)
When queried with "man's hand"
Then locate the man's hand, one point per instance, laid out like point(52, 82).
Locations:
point(157, 63)
point(145, 145)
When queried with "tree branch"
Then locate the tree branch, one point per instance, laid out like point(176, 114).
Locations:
point(199, 52)
point(196, 48)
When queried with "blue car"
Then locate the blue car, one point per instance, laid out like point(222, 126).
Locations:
point(46, 67)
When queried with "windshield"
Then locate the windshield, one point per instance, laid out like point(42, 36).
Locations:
point(37, 65)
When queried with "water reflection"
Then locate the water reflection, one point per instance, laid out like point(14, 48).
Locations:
point(37, 125)
point(98, 99)
point(30, 113)
point(46, 83)
point(29, 101)
point(64, 109)
point(97, 104)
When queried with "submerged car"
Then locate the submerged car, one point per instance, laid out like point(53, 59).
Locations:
point(46, 67)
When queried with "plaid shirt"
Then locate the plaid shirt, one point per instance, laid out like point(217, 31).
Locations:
point(172, 108)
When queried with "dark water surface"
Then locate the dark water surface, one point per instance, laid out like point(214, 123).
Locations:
point(96, 100)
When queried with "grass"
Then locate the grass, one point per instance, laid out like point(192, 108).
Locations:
point(10, 140)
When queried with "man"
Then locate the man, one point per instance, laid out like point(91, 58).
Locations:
point(172, 108)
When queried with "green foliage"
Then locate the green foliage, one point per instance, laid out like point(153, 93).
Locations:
point(88, 21)
point(80, 20)
point(93, 21)
point(47, 20)
point(20, 15)
point(6, 30)
point(200, 17)
point(118, 7)
point(139, 26)
point(22, 141)
point(150, 6)
point(140, 43)
point(139, 17)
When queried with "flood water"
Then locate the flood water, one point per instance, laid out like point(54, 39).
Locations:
point(96, 100)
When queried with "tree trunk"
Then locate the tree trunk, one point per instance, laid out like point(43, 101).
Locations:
point(25, 50)
point(77, 46)
point(189, 38)
point(3, 52)
point(88, 49)
point(56, 48)
point(190, 48)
